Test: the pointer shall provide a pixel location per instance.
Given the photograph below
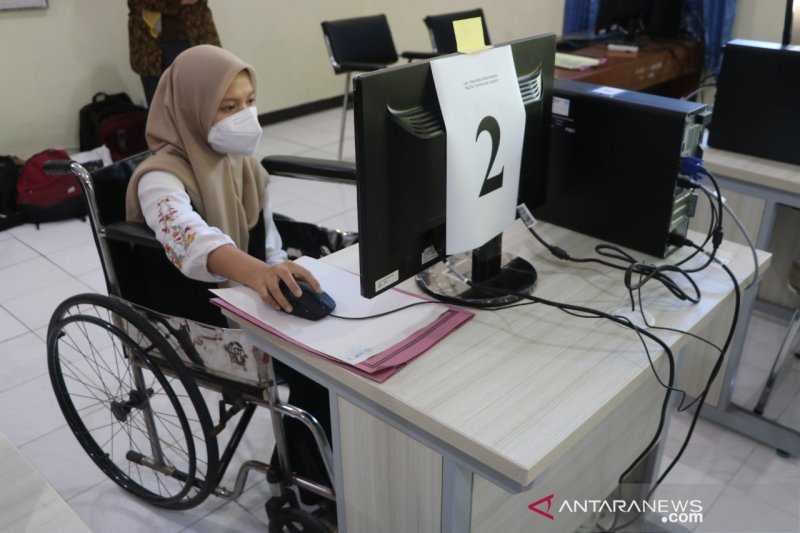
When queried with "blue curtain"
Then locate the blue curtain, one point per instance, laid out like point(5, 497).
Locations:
point(711, 20)
point(580, 15)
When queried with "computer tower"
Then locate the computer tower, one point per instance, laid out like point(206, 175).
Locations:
point(757, 108)
point(614, 162)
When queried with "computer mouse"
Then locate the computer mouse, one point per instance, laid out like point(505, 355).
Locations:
point(309, 305)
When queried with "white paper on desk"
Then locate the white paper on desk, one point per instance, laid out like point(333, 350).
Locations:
point(350, 341)
point(485, 121)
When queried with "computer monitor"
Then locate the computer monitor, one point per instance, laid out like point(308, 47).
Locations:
point(628, 15)
point(401, 156)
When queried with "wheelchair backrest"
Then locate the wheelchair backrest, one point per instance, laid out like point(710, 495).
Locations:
point(110, 184)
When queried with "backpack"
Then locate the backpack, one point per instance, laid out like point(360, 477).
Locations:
point(92, 115)
point(123, 133)
point(45, 198)
point(9, 173)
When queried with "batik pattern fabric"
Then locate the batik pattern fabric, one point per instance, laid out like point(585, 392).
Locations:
point(145, 53)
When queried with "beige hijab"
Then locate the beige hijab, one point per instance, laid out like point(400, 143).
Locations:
point(227, 191)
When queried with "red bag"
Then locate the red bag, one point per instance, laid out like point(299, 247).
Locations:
point(45, 198)
point(124, 133)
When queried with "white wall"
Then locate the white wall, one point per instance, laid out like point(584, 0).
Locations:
point(53, 60)
point(761, 20)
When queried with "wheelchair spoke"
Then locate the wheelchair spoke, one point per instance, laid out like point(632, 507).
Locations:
point(173, 424)
point(176, 416)
point(95, 353)
point(74, 346)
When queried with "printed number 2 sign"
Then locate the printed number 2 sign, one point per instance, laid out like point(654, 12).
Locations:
point(485, 121)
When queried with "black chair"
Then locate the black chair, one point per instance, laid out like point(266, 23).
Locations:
point(443, 38)
point(361, 44)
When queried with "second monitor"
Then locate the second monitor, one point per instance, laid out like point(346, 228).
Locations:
point(401, 156)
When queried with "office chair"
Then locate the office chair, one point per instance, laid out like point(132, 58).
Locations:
point(361, 44)
point(443, 38)
point(782, 358)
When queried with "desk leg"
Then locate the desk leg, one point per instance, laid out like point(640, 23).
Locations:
point(728, 414)
point(338, 471)
point(767, 225)
point(456, 497)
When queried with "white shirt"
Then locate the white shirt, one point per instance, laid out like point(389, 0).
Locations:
point(187, 238)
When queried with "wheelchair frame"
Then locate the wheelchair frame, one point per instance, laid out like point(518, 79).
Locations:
point(241, 397)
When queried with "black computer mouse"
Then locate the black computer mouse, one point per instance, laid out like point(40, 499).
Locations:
point(309, 305)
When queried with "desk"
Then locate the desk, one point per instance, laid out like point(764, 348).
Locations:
point(755, 189)
point(510, 408)
point(28, 504)
point(668, 68)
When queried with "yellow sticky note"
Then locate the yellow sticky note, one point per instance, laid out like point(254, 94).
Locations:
point(469, 35)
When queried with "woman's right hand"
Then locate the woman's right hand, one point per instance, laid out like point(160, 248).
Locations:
point(266, 281)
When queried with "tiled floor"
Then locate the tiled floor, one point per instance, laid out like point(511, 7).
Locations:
point(744, 486)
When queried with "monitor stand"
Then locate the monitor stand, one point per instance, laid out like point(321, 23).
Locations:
point(485, 266)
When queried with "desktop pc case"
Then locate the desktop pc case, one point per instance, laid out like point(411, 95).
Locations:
point(757, 108)
point(614, 161)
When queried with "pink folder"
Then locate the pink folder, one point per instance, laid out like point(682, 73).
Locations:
point(385, 364)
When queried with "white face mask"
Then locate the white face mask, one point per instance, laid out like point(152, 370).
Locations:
point(239, 134)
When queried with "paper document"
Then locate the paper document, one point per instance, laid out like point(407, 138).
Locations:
point(350, 341)
point(485, 121)
point(469, 35)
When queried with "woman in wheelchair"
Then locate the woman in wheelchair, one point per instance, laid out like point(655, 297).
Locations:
point(206, 199)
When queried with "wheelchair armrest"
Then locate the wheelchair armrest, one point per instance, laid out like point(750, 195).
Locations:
point(311, 168)
point(358, 66)
point(419, 55)
point(132, 233)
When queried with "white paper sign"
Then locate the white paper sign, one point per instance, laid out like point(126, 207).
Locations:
point(485, 121)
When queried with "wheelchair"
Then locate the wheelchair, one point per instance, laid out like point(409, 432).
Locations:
point(134, 382)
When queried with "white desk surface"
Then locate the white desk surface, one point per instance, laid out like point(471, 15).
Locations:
point(776, 175)
point(516, 389)
point(28, 504)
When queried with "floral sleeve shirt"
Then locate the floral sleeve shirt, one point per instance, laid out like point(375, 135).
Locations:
point(187, 238)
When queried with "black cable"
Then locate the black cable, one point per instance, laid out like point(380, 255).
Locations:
point(462, 303)
point(567, 308)
point(700, 400)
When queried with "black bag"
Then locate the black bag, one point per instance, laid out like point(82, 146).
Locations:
point(10, 216)
point(92, 115)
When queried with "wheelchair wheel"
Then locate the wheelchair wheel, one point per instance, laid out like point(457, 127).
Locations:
point(134, 408)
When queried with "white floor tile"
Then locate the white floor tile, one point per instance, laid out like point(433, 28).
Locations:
point(13, 251)
point(276, 146)
point(772, 479)
point(22, 359)
point(309, 211)
point(230, 518)
point(348, 150)
point(714, 451)
point(319, 153)
point(54, 236)
point(107, 507)
point(65, 464)
point(25, 277)
point(254, 499)
point(9, 327)
point(95, 280)
point(77, 260)
point(687, 483)
point(736, 511)
point(347, 221)
point(5, 235)
point(29, 411)
point(35, 308)
point(302, 134)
